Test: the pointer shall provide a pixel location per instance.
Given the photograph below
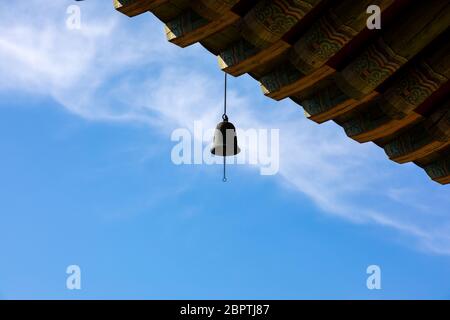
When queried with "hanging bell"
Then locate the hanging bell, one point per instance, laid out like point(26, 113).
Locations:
point(225, 139)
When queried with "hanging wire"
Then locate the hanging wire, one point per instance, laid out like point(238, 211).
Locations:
point(224, 116)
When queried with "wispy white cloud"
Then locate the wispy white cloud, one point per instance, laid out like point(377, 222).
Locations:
point(120, 69)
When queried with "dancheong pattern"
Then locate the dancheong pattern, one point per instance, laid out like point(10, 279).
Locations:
point(414, 86)
point(439, 168)
point(268, 21)
point(326, 37)
point(370, 69)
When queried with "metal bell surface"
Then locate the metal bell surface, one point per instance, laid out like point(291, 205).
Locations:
point(225, 140)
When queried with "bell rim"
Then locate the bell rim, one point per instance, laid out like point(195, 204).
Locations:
point(238, 150)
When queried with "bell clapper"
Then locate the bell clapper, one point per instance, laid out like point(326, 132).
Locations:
point(224, 179)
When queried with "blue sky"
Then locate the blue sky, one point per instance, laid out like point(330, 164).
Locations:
point(86, 178)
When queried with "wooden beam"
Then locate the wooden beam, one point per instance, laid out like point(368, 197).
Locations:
point(286, 80)
point(341, 108)
point(364, 127)
point(190, 27)
point(321, 42)
point(439, 169)
point(269, 20)
point(190, 21)
point(412, 87)
point(212, 9)
point(428, 136)
point(326, 102)
point(261, 44)
point(420, 24)
point(417, 82)
point(243, 57)
point(133, 8)
point(331, 32)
